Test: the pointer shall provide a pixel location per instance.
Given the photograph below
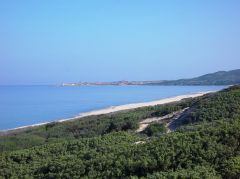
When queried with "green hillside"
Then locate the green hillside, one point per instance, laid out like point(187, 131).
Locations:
point(207, 146)
point(218, 78)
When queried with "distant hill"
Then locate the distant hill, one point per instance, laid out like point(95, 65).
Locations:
point(218, 78)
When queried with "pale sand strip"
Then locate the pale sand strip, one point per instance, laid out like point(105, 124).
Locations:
point(114, 109)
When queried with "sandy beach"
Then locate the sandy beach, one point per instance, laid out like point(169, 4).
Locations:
point(119, 108)
point(139, 105)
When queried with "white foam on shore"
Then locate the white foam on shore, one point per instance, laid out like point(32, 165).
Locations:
point(114, 109)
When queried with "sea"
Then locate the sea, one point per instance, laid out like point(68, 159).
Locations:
point(28, 105)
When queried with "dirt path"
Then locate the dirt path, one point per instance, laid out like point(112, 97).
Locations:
point(169, 117)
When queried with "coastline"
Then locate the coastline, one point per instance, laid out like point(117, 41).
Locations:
point(124, 107)
point(114, 109)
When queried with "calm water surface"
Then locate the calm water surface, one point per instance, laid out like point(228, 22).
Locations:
point(26, 105)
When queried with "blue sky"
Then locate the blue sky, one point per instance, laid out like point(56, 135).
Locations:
point(49, 42)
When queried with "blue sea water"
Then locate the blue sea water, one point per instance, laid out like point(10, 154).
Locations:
point(27, 105)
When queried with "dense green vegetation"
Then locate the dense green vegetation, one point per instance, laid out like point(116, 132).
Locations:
point(212, 150)
point(207, 147)
point(218, 78)
point(222, 105)
point(155, 129)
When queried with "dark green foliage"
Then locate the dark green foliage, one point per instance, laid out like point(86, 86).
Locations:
point(221, 105)
point(155, 130)
point(231, 168)
point(206, 150)
point(198, 172)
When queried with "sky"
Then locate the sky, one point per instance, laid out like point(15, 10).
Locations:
point(51, 42)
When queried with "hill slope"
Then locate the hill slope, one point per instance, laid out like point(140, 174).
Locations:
point(218, 78)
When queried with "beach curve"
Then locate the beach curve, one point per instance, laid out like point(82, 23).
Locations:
point(114, 109)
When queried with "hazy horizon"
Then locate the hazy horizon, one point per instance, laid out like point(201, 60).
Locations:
point(51, 42)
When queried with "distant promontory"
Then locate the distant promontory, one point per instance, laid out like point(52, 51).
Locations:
point(217, 78)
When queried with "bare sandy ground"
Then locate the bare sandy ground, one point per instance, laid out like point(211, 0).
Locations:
point(114, 109)
point(173, 116)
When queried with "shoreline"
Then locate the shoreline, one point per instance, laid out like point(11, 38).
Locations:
point(114, 109)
